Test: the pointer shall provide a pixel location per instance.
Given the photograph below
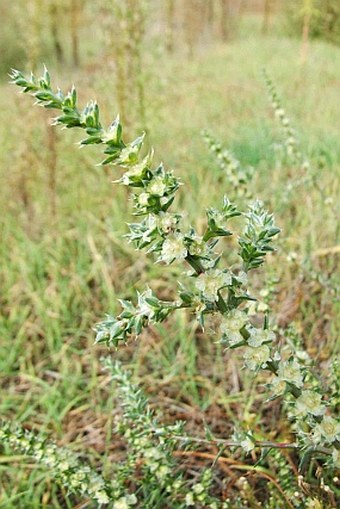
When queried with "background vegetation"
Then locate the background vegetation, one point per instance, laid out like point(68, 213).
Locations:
point(186, 66)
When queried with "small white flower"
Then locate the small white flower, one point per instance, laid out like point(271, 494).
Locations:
point(198, 488)
point(63, 465)
point(262, 307)
point(211, 281)
point(259, 336)
point(101, 497)
point(167, 222)
point(256, 357)
point(280, 112)
point(132, 499)
point(189, 499)
point(328, 428)
point(309, 401)
point(242, 277)
point(143, 199)
point(232, 324)
point(313, 503)
point(278, 386)
point(173, 249)
point(154, 453)
point(125, 502)
point(128, 155)
point(163, 472)
point(198, 247)
point(291, 372)
point(157, 187)
point(144, 308)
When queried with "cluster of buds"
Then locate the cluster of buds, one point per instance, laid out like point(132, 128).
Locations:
point(237, 176)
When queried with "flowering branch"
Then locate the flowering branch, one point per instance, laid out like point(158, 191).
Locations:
point(212, 290)
point(160, 231)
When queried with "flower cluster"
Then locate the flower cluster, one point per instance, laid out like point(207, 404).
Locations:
point(237, 176)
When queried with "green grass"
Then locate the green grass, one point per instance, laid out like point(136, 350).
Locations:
point(59, 275)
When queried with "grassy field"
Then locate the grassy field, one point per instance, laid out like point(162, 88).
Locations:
point(63, 269)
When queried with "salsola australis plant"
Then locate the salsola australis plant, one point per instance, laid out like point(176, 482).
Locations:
point(232, 172)
point(289, 150)
point(209, 289)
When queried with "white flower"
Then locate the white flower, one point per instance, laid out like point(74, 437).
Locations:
point(189, 499)
point(144, 308)
point(280, 112)
point(157, 187)
point(198, 488)
point(231, 325)
point(211, 281)
point(173, 249)
point(167, 221)
point(291, 372)
point(154, 453)
point(163, 472)
point(101, 497)
point(328, 428)
point(309, 401)
point(260, 336)
point(63, 465)
point(198, 247)
point(256, 357)
point(125, 502)
point(313, 503)
point(278, 386)
point(143, 199)
point(137, 170)
point(128, 154)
